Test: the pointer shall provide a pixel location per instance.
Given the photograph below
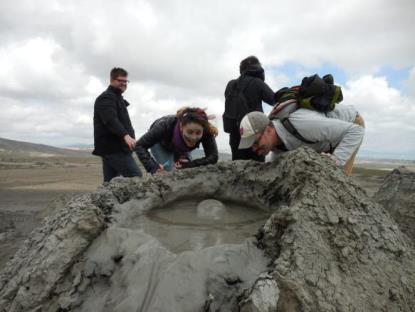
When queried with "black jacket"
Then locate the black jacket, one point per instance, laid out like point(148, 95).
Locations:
point(256, 90)
point(111, 123)
point(161, 131)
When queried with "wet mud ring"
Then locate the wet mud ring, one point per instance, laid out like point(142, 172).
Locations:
point(194, 210)
point(325, 247)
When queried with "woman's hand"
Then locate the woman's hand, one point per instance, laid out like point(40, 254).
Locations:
point(181, 163)
point(160, 169)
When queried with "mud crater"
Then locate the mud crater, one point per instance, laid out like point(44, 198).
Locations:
point(196, 223)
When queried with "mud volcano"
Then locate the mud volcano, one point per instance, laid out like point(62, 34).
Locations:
point(325, 246)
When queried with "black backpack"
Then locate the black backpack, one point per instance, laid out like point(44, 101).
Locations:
point(236, 106)
point(315, 93)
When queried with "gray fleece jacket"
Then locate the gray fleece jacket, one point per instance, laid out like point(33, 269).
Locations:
point(334, 130)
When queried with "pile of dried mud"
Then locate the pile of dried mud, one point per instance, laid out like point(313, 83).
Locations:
point(397, 195)
point(324, 247)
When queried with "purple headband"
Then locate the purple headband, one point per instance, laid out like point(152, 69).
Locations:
point(195, 114)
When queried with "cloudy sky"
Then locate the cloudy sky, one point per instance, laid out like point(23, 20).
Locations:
point(55, 58)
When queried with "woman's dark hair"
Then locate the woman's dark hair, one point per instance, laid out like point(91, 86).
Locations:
point(245, 63)
point(118, 72)
point(194, 114)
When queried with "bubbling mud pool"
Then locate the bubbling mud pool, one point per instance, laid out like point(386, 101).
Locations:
point(194, 224)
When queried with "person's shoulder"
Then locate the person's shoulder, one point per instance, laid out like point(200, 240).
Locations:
point(165, 121)
point(315, 118)
point(230, 84)
point(169, 119)
point(307, 113)
point(252, 83)
point(343, 108)
point(232, 81)
point(208, 136)
point(106, 94)
point(253, 79)
point(257, 82)
point(343, 112)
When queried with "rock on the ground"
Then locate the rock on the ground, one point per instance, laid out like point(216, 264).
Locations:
point(325, 247)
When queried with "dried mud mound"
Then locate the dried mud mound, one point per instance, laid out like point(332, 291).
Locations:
point(397, 195)
point(325, 247)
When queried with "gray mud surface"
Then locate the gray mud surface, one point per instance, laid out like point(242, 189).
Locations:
point(21, 211)
point(194, 224)
point(324, 246)
point(28, 195)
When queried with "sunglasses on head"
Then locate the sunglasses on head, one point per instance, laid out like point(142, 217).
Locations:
point(198, 114)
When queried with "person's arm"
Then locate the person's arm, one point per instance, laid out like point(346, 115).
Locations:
point(351, 141)
point(211, 153)
point(267, 95)
point(149, 139)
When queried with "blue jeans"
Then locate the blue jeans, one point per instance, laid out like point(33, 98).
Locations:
point(164, 157)
point(119, 164)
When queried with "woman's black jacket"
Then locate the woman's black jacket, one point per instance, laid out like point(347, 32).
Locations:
point(161, 131)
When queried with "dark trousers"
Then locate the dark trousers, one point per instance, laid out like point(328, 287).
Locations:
point(248, 153)
point(119, 164)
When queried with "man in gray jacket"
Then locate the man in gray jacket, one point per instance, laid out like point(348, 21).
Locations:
point(338, 133)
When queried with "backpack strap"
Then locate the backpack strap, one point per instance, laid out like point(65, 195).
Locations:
point(282, 112)
point(242, 91)
point(290, 128)
point(245, 87)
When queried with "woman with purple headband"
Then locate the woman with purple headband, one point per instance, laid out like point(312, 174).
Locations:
point(172, 138)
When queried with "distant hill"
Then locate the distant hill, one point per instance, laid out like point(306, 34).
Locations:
point(26, 149)
point(89, 147)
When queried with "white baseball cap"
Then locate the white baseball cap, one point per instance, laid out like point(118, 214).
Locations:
point(252, 124)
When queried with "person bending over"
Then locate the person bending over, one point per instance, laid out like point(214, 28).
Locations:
point(171, 139)
point(337, 134)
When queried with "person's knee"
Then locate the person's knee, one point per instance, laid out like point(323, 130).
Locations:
point(125, 165)
point(132, 169)
point(133, 173)
point(108, 171)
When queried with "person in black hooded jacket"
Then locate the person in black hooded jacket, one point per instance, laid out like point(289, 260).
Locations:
point(256, 91)
point(171, 139)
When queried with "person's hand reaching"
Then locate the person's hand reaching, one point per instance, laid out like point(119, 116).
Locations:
point(332, 157)
point(129, 141)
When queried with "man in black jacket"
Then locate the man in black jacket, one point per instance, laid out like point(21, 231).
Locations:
point(114, 136)
point(255, 91)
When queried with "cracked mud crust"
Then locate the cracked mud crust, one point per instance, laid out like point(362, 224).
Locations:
point(325, 247)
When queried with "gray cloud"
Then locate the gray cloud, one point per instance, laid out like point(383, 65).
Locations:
point(56, 56)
